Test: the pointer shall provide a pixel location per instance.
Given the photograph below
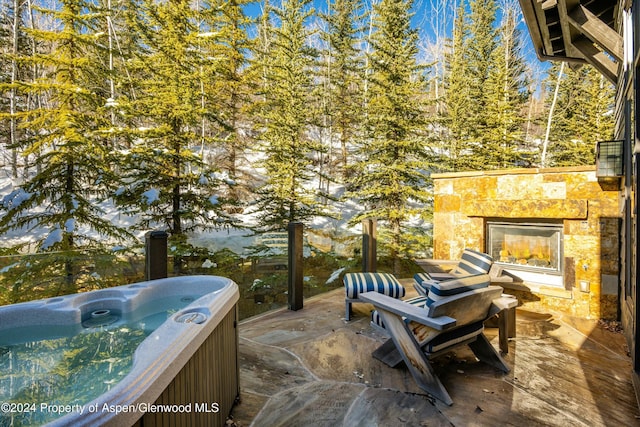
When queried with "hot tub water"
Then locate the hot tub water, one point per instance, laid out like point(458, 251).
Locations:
point(73, 366)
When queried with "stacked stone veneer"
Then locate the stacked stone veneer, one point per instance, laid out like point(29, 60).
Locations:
point(464, 202)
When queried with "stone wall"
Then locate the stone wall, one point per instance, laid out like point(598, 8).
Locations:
point(590, 216)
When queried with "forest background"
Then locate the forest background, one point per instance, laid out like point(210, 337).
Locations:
point(123, 116)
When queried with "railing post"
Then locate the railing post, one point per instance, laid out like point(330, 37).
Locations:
point(155, 261)
point(369, 245)
point(295, 277)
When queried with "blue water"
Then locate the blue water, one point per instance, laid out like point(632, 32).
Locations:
point(72, 366)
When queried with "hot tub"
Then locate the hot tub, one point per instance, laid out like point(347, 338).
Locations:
point(162, 352)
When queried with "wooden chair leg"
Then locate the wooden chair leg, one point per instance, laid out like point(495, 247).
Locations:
point(506, 328)
point(511, 322)
point(413, 357)
point(388, 354)
point(484, 351)
point(503, 334)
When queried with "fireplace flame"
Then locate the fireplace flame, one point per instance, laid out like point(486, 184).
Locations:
point(532, 250)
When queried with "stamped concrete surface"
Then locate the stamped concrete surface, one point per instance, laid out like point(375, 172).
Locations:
point(312, 368)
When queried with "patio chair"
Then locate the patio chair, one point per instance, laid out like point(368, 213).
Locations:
point(357, 283)
point(471, 263)
point(444, 288)
point(419, 334)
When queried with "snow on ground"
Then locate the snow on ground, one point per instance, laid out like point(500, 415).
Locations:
point(234, 239)
point(10, 190)
point(150, 196)
point(238, 240)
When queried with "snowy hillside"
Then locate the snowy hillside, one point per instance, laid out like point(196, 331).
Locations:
point(234, 239)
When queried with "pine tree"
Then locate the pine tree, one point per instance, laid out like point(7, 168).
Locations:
point(583, 116)
point(13, 45)
point(224, 86)
point(259, 65)
point(5, 72)
point(256, 75)
point(344, 65)
point(393, 158)
point(166, 181)
point(481, 45)
point(597, 109)
point(20, 71)
point(288, 112)
point(71, 154)
point(507, 95)
point(120, 45)
point(457, 98)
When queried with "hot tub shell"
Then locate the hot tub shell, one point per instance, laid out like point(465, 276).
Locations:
point(184, 373)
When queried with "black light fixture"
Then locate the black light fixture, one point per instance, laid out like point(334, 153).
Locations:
point(609, 159)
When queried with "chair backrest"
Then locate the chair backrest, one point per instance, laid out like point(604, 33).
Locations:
point(467, 307)
point(456, 285)
point(473, 262)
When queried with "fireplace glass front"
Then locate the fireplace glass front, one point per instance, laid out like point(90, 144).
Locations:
point(526, 247)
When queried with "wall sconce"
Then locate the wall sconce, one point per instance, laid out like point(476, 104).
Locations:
point(609, 159)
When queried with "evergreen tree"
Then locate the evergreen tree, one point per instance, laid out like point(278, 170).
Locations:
point(224, 86)
point(120, 45)
point(583, 115)
point(598, 108)
point(258, 69)
point(457, 99)
point(481, 45)
point(287, 114)
point(71, 153)
point(256, 77)
point(344, 74)
point(5, 72)
point(166, 181)
point(13, 45)
point(393, 159)
point(507, 95)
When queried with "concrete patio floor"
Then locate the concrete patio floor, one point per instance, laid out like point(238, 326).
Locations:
point(312, 368)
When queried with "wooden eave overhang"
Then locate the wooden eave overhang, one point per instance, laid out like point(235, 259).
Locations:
point(577, 31)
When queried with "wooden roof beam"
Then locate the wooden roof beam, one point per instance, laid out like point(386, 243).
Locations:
point(590, 25)
point(563, 8)
point(538, 29)
point(597, 58)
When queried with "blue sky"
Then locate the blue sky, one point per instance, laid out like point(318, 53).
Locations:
point(433, 19)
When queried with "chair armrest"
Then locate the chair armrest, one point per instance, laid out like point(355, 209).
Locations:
point(401, 308)
point(441, 276)
point(503, 303)
point(436, 265)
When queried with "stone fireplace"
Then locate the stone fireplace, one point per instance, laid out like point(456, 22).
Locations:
point(553, 232)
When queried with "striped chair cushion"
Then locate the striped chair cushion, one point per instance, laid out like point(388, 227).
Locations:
point(384, 283)
point(419, 301)
point(422, 283)
point(446, 288)
point(472, 262)
point(455, 336)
